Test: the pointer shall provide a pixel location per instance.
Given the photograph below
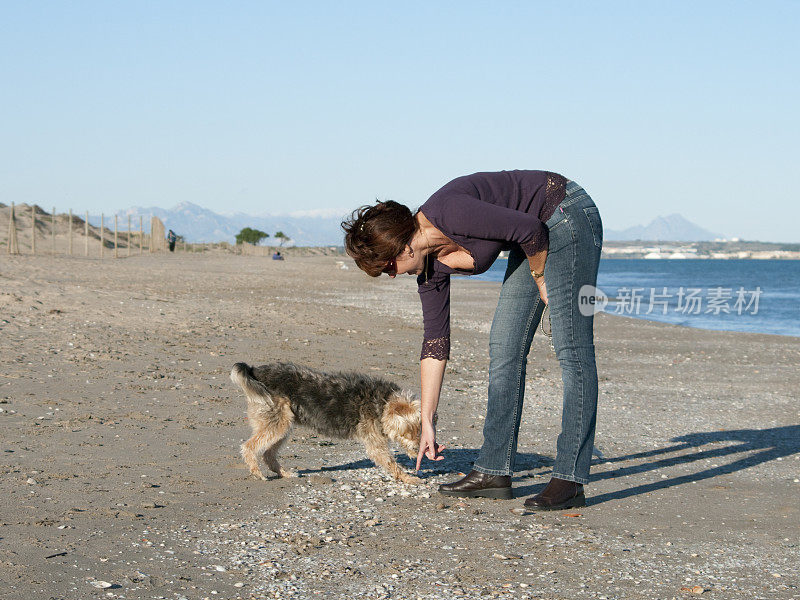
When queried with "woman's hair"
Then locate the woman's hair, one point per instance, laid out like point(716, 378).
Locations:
point(373, 235)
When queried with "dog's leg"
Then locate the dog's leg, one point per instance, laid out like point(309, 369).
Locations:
point(271, 458)
point(377, 446)
point(269, 432)
point(249, 453)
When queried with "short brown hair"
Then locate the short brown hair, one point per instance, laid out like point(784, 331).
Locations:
point(376, 234)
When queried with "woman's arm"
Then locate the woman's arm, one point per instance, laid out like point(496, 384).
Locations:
point(431, 377)
point(466, 215)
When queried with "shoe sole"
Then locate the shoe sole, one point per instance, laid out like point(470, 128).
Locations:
point(578, 501)
point(499, 493)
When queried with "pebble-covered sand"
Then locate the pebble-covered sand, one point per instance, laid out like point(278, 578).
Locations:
point(119, 431)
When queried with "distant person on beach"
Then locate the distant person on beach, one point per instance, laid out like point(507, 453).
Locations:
point(277, 256)
point(554, 233)
point(171, 239)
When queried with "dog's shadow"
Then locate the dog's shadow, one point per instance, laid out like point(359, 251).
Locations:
point(459, 460)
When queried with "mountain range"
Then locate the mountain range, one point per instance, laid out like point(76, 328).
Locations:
point(672, 228)
point(198, 224)
point(322, 228)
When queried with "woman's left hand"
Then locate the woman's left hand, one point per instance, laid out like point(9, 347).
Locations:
point(542, 288)
point(536, 262)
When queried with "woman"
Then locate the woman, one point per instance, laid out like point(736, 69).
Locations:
point(553, 231)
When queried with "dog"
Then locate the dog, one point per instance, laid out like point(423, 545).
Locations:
point(338, 405)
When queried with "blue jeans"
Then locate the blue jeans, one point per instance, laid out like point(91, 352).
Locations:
point(576, 238)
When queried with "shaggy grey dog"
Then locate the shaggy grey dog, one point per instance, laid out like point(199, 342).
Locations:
point(339, 405)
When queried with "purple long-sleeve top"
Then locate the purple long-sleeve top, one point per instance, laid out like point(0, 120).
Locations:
point(484, 213)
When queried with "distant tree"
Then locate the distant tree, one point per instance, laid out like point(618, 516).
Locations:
point(251, 236)
point(279, 235)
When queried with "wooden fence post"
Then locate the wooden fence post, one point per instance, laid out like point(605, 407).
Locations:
point(86, 235)
point(70, 232)
point(129, 234)
point(53, 233)
point(141, 234)
point(33, 229)
point(115, 237)
point(13, 246)
point(102, 246)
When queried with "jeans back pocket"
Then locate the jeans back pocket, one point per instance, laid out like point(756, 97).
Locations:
point(593, 216)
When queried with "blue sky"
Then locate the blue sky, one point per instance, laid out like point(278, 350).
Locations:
point(274, 107)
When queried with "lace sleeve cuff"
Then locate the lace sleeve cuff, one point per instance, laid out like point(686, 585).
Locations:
point(438, 348)
point(537, 244)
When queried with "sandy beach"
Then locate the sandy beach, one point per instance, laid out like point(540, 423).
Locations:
point(120, 433)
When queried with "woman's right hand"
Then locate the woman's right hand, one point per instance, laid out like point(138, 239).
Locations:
point(427, 444)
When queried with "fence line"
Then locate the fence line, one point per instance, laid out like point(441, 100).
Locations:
point(63, 231)
point(64, 227)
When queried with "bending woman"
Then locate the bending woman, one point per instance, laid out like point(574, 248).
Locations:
point(554, 233)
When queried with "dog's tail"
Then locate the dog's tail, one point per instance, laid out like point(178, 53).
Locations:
point(242, 374)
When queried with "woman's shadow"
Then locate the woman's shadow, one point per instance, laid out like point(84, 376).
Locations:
point(750, 447)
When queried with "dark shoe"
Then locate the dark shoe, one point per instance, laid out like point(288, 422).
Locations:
point(558, 494)
point(479, 485)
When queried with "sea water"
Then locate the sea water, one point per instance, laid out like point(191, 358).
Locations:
point(735, 295)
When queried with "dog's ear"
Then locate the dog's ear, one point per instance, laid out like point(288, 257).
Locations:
point(406, 396)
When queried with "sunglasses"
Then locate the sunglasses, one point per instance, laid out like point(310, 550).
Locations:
point(391, 267)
